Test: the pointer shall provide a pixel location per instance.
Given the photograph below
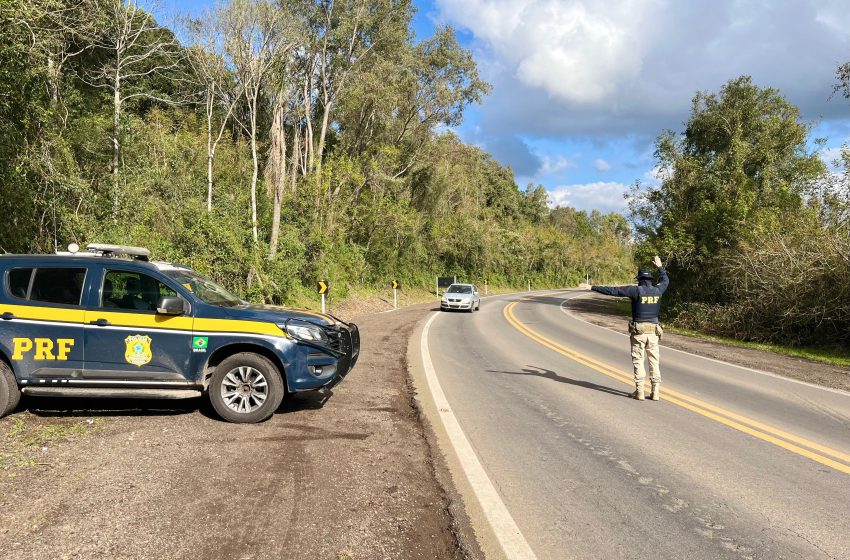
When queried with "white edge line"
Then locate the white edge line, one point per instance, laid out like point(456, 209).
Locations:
point(507, 532)
point(745, 368)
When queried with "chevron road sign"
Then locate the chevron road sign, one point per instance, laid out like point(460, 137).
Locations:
point(323, 286)
point(396, 286)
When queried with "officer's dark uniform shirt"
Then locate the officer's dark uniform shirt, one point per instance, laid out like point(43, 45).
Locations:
point(646, 297)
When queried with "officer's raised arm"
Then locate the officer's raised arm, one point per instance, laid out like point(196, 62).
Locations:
point(663, 279)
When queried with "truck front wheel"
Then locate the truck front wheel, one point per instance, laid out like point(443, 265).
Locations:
point(246, 388)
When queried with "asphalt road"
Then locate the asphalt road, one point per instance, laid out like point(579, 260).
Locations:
point(730, 464)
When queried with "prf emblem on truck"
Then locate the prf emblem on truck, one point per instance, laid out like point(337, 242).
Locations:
point(138, 350)
point(42, 348)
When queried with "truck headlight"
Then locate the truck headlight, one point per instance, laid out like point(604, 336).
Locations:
point(309, 333)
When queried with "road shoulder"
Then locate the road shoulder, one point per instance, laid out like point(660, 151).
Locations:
point(473, 531)
point(348, 474)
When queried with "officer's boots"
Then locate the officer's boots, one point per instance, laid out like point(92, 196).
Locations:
point(656, 392)
point(638, 394)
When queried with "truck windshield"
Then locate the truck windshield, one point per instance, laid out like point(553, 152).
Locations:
point(206, 290)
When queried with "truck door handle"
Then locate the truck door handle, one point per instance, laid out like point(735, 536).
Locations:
point(7, 316)
point(100, 323)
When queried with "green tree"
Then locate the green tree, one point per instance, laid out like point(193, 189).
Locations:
point(740, 167)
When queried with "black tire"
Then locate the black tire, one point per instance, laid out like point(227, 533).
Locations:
point(242, 368)
point(10, 394)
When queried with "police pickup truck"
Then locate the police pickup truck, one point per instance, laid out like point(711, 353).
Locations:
point(107, 322)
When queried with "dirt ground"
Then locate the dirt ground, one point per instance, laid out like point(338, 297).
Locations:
point(602, 311)
point(341, 475)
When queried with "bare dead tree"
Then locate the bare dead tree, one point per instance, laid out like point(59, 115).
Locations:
point(135, 48)
point(276, 165)
point(220, 92)
point(289, 110)
point(60, 31)
point(342, 50)
point(253, 37)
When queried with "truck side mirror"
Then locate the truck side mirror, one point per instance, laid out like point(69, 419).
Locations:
point(170, 305)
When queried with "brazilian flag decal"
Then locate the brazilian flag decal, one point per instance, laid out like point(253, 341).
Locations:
point(200, 343)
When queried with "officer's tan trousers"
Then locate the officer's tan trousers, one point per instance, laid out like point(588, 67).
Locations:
point(646, 345)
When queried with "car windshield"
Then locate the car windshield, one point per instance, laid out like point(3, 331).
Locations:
point(206, 290)
point(459, 290)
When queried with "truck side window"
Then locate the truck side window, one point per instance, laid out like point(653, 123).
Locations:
point(135, 291)
point(19, 282)
point(58, 285)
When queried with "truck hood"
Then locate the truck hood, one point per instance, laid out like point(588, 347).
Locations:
point(278, 314)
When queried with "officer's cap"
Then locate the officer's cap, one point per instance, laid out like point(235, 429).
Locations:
point(645, 274)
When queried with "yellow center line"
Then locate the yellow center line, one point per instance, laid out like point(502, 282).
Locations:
point(741, 423)
point(627, 378)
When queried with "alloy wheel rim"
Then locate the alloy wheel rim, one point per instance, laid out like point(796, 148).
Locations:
point(244, 389)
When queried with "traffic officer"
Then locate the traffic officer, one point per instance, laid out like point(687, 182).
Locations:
point(644, 327)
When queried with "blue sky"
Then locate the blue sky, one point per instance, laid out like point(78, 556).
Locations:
point(581, 88)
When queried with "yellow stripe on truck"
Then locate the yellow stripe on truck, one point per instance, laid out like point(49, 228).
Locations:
point(45, 313)
point(237, 326)
point(141, 320)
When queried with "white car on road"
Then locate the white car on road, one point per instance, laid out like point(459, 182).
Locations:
point(461, 296)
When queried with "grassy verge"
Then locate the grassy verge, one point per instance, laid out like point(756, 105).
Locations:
point(24, 442)
point(833, 356)
point(839, 357)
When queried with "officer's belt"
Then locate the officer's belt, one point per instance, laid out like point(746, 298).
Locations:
point(643, 328)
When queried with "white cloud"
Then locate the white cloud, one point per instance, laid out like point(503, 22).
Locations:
point(613, 70)
point(603, 196)
point(601, 165)
point(611, 67)
point(553, 165)
point(579, 52)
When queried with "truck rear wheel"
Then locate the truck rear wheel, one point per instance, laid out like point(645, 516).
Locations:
point(246, 388)
point(10, 395)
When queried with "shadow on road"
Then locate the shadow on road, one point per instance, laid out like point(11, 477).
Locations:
point(549, 374)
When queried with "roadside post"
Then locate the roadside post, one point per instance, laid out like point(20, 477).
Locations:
point(485, 287)
point(586, 278)
point(529, 285)
point(322, 286)
point(396, 286)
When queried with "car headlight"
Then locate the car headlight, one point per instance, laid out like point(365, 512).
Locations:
point(304, 332)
